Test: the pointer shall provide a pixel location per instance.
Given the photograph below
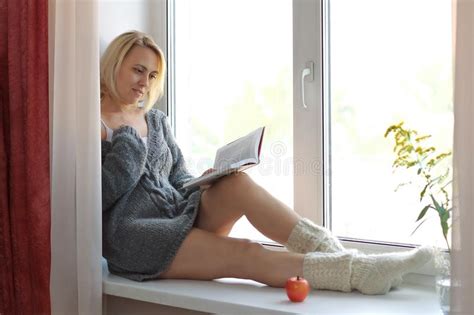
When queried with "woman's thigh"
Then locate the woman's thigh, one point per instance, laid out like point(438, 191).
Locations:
point(221, 205)
point(205, 256)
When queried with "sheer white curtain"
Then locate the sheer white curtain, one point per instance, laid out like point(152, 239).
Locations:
point(76, 278)
point(462, 293)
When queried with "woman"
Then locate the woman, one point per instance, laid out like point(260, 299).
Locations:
point(153, 228)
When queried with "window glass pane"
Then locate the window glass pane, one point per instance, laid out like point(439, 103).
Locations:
point(390, 61)
point(233, 75)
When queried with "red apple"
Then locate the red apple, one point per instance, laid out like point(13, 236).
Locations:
point(297, 289)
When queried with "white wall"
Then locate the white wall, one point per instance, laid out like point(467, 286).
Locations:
point(119, 16)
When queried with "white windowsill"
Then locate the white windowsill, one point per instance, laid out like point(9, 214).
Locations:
point(236, 296)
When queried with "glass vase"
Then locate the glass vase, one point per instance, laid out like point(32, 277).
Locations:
point(443, 290)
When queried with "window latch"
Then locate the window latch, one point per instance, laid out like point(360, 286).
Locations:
point(308, 71)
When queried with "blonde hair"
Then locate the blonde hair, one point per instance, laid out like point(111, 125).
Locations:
point(112, 59)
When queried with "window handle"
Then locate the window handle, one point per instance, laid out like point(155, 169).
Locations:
point(308, 71)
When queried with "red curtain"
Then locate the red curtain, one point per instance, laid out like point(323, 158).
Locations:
point(25, 251)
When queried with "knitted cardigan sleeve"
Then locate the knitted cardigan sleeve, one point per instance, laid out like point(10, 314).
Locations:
point(179, 173)
point(122, 166)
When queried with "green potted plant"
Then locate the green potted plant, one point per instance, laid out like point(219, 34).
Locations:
point(432, 170)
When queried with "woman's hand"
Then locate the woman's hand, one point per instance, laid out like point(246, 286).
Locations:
point(204, 187)
point(208, 171)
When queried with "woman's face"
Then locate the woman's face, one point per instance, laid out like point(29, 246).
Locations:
point(138, 70)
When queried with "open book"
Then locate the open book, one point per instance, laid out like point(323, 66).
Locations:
point(236, 156)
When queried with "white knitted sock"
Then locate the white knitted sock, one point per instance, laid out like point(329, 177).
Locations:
point(328, 271)
point(369, 274)
point(397, 282)
point(308, 237)
point(376, 274)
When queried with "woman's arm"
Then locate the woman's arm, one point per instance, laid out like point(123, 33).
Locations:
point(122, 166)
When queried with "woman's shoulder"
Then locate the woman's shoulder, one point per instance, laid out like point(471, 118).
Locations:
point(156, 114)
point(158, 119)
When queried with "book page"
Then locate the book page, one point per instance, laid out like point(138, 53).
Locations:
point(235, 156)
point(239, 152)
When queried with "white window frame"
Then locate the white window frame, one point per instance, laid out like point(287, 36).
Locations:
point(312, 194)
point(159, 28)
point(309, 168)
point(309, 190)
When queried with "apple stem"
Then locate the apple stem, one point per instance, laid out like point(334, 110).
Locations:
point(297, 277)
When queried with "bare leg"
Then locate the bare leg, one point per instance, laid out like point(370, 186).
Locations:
point(222, 256)
point(235, 195)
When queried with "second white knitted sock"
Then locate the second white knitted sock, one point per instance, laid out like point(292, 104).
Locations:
point(369, 274)
point(376, 274)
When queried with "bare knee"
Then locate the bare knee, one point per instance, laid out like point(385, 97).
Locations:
point(239, 179)
point(241, 258)
point(227, 191)
point(234, 183)
point(246, 253)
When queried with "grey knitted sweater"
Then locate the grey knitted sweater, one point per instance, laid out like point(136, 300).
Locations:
point(146, 212)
